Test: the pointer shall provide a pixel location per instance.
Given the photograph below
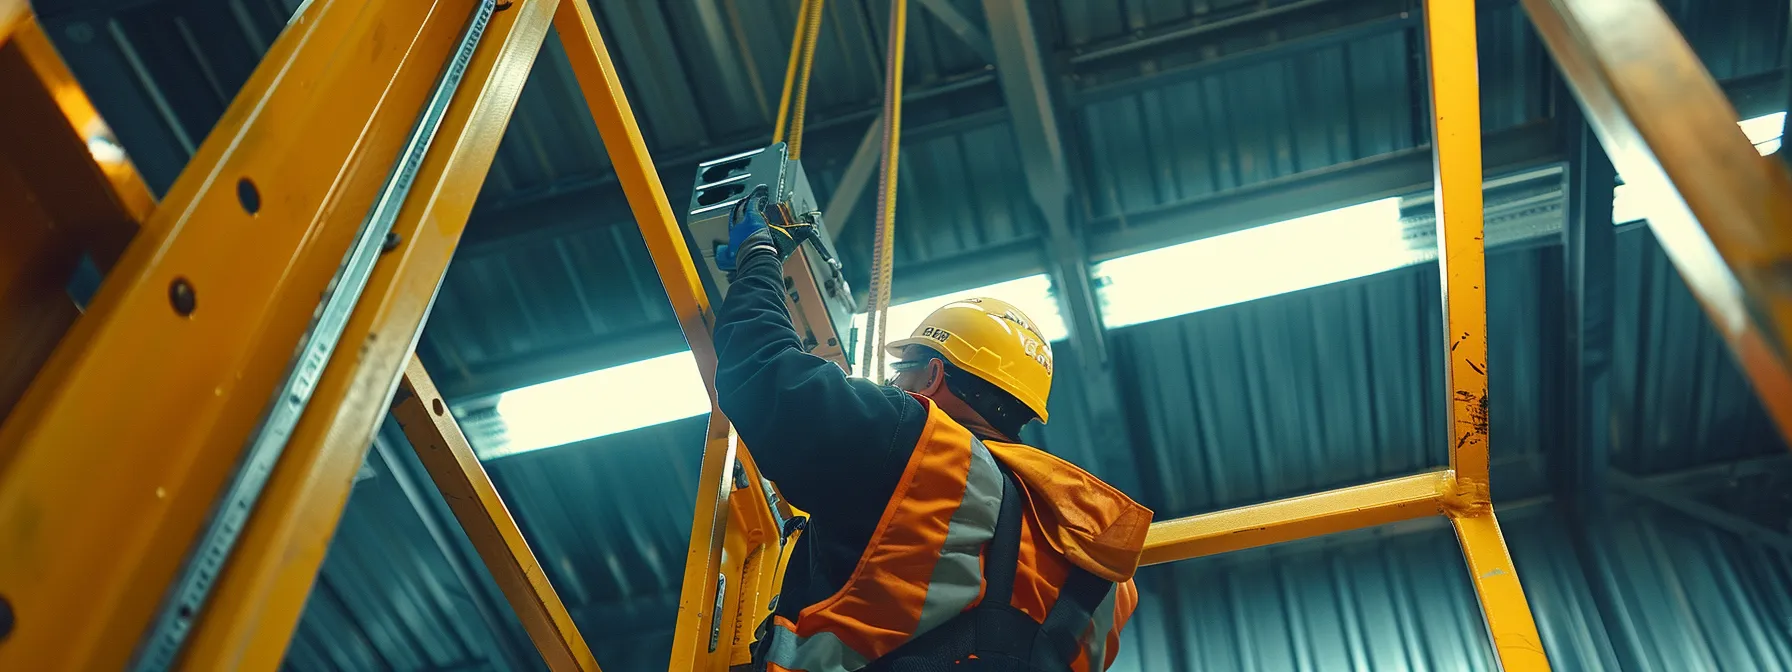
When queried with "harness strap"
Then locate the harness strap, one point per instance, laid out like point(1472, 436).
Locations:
point(1002, 559)
point(1079, 599)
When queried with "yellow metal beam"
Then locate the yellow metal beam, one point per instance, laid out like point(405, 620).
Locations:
point(184, 345)
point(1313, 515)
point(733, 532)
point(1509, 621)
point(1462, 258)
point(12, 12)
point(49, 122)
point(36, 261)
point(58, 199)
point(261, 596)
point(1718, 208)
point(602, 88)
point(1456, 146)
point(445, 452)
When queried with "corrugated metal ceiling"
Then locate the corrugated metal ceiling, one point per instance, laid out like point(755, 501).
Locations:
point(1304, 391)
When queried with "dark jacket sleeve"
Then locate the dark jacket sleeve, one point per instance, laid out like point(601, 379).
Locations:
point(833, 444)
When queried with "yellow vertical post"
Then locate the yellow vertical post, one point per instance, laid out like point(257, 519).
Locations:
point(732, 531)
point(1456, 146)
point(1462, 261)
point(469, 492)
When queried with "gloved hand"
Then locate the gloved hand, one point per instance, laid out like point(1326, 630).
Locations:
point(752, 229)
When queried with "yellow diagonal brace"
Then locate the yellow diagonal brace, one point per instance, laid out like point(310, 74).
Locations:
point(1509, 621)
point(731, 528)
point(1718, 209)
point(444, 450)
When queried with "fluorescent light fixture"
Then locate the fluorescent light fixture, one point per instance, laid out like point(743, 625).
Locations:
point(1254, 263)
point(1764, 131)
point(1032, 294)
point(662, 389)
point(599, 403)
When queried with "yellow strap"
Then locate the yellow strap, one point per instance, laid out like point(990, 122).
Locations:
point(876, 319)
point(796, 50)
point(810, 38)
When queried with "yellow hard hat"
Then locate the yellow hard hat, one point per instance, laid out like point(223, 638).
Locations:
point(992, 340)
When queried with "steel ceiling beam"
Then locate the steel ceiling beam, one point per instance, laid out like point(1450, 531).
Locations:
point(1747, 530)
point(852, 184)
point(1022, 72)
point(961, 25)
point(1589, 250)
point(1203, 25)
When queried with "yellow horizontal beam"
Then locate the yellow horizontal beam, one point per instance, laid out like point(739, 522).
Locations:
point(1312, 515)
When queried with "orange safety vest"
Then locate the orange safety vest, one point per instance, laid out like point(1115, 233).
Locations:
point(924, 564)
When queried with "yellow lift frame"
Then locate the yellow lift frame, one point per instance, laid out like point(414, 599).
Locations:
point(187, 337)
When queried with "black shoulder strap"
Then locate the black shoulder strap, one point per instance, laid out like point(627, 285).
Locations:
point(1078, 599)
point(1003, 631)
point(1003, 558)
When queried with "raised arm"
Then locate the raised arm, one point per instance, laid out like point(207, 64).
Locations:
point(830, 442)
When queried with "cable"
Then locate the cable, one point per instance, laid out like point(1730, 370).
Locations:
point(877, 317)
point(796, 50)
point(798, 113)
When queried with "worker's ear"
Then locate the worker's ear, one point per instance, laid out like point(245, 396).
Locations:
point(936, 371)
point(936, 377)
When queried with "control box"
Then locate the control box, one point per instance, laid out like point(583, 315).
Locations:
point(821, 304)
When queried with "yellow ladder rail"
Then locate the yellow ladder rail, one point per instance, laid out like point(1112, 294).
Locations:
point(1720, 210)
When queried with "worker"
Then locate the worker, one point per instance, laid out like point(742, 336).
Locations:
point(937, 540)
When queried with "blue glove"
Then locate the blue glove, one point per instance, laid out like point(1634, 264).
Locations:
point(749, 230)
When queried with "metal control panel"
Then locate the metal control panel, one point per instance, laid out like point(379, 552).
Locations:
point(815, 289)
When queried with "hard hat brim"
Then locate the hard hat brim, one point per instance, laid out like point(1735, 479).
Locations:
point(895, 350)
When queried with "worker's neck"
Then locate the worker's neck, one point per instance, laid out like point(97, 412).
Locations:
point(965, 415)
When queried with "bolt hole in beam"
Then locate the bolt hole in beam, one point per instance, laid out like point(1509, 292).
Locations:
point(248, 195)
point(182, 296)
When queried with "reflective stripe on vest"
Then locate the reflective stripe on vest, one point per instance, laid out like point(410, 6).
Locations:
point(955, 584)
point(1095, 641)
